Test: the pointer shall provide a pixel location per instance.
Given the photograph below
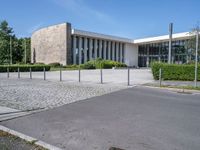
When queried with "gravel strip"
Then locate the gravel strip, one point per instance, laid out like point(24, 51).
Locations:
point(26, 94)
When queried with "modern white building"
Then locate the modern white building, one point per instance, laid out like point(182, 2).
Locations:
point(61, 43)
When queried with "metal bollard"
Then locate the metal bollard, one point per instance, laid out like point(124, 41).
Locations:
point(128, 77)
point(101, 74)
point(18, 72)
point(30, 72)
point(8, 75)
point(44, 73)
point(60, 73)
point(160, 77)
point(79, 75)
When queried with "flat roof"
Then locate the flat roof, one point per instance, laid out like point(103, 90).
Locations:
point(100, 36)
point(163, 38)
point(180, 36)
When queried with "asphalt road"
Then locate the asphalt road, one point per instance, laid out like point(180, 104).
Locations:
point(133, 119)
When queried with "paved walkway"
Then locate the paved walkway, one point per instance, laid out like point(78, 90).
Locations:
point(136, 118)
point(110, 76)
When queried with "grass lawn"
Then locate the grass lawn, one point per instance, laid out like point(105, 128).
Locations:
point(188, 87)
point(184, 87)
point(11, 142)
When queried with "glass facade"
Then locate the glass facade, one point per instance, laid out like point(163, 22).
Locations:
point(148, 53)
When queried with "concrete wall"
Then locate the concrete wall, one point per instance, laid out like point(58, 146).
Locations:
point(131, 54)
point(51, 44)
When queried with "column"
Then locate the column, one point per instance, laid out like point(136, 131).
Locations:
point(147, 62)
point(123, 53)
point(90, 49)
point(80, 49)
point(159, 59)
point(104, 50)
point(109, 45)
point(113, 51)
point(120, 56)
point(85, 49)
point(74, 49)
point(100, 48)
point(117, 51)
point(95, 48)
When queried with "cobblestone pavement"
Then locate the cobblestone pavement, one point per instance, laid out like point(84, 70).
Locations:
point(26, 94)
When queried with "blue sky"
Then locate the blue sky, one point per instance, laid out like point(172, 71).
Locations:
point(125, 18)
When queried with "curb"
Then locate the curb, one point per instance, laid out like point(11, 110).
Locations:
point(29, 139)
point(178, 90)
point(17, 114)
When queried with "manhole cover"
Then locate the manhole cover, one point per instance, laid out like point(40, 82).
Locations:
point(183, 92)
point(115, 148)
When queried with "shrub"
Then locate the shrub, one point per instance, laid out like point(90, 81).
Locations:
point(174, 71)
point(38, 63)
point(88, 65)
point(55, 64)
point(24, 68)
point(71, 66)
point(100, 63)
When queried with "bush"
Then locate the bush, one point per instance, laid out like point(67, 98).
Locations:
point(71, 66)
point(23, 68)
point(174, 71)
point(100, 63)
point(88, 65)
point(54, 65)
point(38, 63)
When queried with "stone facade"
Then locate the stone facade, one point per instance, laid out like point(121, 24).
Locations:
point(52, 44)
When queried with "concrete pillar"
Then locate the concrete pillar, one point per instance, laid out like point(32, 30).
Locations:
point(95, 49)
point(100, 48)
point(117, 51)
point(159, 57)
point(74, 49)
point(120, 56)
point(123, 53)
point(104, 50)
point(147, 63)
point(80, 49)
point(113, 51)
point(90, 49)
point(109, 46)
point(85, 49)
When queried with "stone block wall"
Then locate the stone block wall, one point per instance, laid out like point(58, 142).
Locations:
point(52, 44)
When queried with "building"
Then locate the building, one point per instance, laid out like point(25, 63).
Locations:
point(60, 43)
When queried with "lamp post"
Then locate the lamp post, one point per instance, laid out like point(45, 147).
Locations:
point(196, 57)
point(25, 51)
point(10, 50)
point(170, 43)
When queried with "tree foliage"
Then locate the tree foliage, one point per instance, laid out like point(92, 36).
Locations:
point(191, 43)
point(11, 47)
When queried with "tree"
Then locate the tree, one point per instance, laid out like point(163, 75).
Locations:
point(7, 40)
point(191, 43)
point(6, 33)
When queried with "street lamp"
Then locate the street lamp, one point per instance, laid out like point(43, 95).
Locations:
point(170, 43)
point(10, 50)
point(25, 61)
point(196, 56)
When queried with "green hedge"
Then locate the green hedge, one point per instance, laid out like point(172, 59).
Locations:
point(100, 63)
point(183, 72)
point(24, 68)
point(55, 65)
